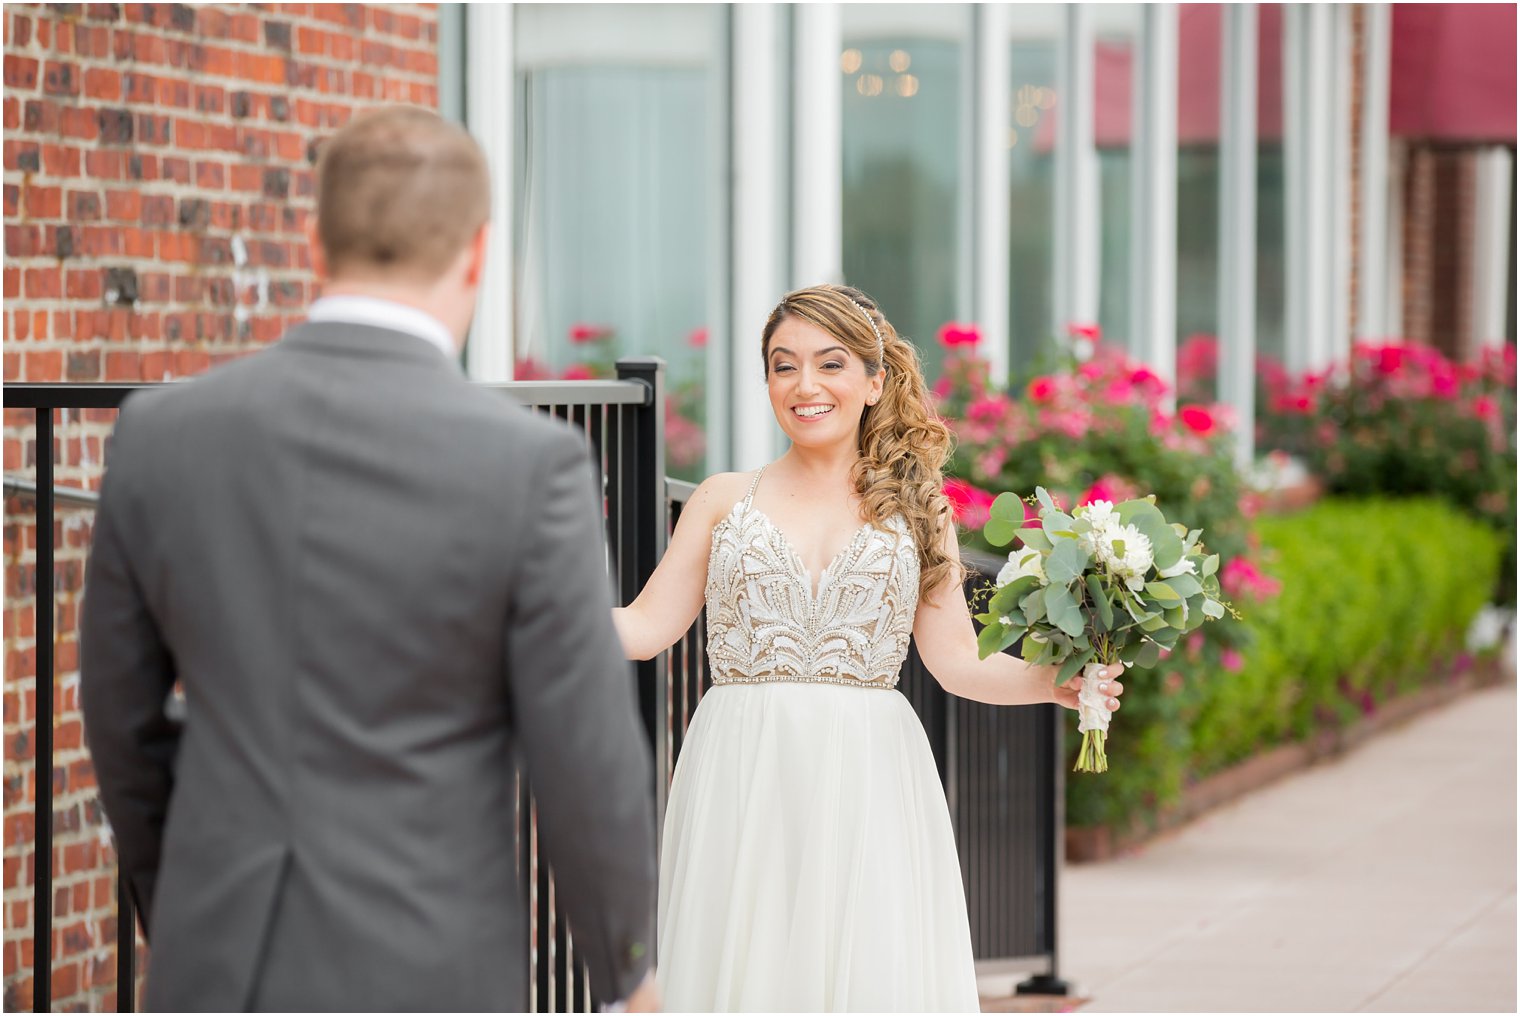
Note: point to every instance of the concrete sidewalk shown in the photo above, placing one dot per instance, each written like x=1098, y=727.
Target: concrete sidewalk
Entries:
x=1382, y=881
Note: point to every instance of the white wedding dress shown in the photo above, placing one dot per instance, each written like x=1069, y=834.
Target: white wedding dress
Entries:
x=808, y=861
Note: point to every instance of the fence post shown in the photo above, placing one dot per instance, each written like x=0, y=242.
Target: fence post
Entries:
x=1051, y=983
x=645, y=534
x=42, y=727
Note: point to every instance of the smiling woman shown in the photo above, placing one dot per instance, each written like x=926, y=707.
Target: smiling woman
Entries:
x=806, y=813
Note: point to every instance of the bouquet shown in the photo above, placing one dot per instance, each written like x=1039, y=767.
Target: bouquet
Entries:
x=1102, y=585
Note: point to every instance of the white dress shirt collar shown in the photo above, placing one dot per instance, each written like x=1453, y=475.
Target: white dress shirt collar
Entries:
x=397, y=317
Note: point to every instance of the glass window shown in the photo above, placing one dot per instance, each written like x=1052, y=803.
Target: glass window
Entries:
x=1115, y=28
x=903, y=154
x=1271, y=188
x=1199, y=95
x=619, y=141
x=1036, y=33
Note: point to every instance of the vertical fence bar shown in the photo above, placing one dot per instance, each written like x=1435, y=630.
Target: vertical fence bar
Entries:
x=126, y=947
x=42, y=754
x=646, y=532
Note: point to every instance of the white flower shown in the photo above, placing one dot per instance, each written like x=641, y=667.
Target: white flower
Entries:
x=1184, y=566
x=1137, y=557
x=1021, y=563
x=1100, y=513
x=1005, y=621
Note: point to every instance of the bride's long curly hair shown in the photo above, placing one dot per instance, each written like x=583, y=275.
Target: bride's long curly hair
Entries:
x=903, y=444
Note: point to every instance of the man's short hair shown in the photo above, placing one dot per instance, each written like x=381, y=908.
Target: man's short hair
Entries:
x=400, y=192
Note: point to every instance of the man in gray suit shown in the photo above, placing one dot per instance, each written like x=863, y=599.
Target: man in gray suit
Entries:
x=376, y=584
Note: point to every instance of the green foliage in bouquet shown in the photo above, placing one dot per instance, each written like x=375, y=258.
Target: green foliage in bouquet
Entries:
x=1104, y=584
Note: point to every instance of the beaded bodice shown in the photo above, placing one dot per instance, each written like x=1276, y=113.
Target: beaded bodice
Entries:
x=765, y=622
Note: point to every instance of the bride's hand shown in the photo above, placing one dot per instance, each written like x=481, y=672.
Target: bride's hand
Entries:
x=1066, y=694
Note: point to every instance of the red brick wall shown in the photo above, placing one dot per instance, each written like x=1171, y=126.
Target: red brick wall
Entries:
x=157, y=176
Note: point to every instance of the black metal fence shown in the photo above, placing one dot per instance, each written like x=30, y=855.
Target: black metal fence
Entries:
x=999, y=766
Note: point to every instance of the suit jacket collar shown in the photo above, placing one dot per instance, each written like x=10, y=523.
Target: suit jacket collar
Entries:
x=345, y=338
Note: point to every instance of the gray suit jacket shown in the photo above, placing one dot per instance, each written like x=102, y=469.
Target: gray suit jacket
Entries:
x=376, y=584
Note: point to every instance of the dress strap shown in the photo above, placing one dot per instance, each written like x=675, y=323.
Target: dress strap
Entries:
x=750, y=497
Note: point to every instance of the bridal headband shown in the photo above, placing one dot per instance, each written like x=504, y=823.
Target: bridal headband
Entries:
x=881, y=346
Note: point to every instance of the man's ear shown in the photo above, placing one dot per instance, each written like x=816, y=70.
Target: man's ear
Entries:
x=475, y=265
x=314, y=250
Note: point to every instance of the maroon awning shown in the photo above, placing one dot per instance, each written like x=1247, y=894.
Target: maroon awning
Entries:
x=1452, y=76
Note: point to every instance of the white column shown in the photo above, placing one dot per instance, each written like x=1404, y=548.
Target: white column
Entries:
x=1372, y=243
x=1075, y=276
x=992, y=99
x=1153, y=261
x=1237, y=224
x=1491, y=267
x=1339, y=97
x=817, y=147
x=757, y=281
x=488, y=115
x=1309, y=158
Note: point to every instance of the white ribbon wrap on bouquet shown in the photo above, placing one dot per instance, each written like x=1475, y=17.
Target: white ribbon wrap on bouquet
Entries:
x=1092, y=704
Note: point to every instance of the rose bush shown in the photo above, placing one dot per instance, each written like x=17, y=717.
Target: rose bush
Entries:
x=1396, y=419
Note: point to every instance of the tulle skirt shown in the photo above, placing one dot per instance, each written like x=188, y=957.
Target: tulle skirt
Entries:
x=808, y=862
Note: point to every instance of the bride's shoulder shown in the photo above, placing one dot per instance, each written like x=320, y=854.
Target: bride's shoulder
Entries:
x=717, y=495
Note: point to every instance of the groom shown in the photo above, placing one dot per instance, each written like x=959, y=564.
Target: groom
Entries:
x=377, y=585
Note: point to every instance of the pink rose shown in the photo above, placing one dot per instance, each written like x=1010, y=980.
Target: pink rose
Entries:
x=578, y=372
x=697, y=339
x=588, y=333
x=1198, y=419
x=1092, y=333
x=1099, y=491
x=1042, y=389
x=953, y=333
x=1231, y=659
x=972, y=505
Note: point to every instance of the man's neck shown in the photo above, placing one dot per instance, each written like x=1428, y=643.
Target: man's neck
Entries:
x=425, y=300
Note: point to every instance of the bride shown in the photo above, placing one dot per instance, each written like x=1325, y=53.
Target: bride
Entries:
x=808, y=861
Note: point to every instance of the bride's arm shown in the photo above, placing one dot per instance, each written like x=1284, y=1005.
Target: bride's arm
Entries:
x=672, y=598
x=947, y=643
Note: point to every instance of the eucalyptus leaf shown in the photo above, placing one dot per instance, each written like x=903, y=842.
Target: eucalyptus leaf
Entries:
x=1104, y=609
x=1163, y=591
x=987, y=640
x=1033, y=606
x=999, y=532
x=1034, y=538
x=1043, y=496
x=1149, y=655
x=1213, y=608
x=1072, y=665
x=1065, y=563
x=1008, y=508
x=1166, y=546
x=1062, y=610
x=1056, y=521
x=1010, y=594
x=1186, y=585
x=1210, y=565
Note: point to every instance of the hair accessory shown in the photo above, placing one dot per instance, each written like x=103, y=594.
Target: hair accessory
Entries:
x=881, y=346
